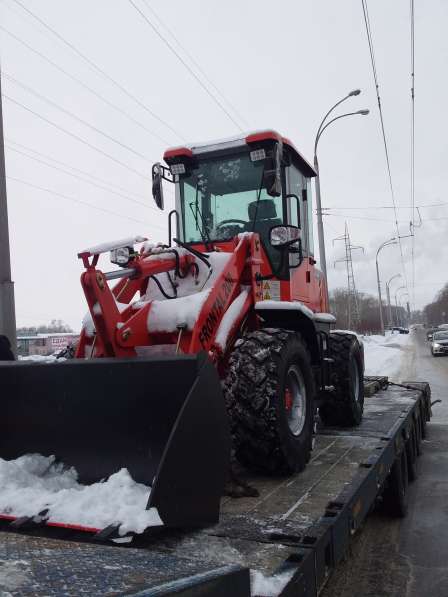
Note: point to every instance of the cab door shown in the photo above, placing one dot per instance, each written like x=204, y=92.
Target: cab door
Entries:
x=297, y=212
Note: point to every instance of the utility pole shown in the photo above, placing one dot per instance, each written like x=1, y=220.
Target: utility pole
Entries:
x=398, y=306
x=353, y=313
x=389, y=304
x=7, y=308
x=391, y=241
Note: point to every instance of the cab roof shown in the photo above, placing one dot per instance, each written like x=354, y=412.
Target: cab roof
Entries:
x=189, y=151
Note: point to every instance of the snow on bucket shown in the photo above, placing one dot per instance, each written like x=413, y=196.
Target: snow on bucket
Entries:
x=124, y=424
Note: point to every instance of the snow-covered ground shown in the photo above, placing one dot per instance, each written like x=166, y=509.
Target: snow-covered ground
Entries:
x=33, y=483
x=38, y=358
x=385, y=355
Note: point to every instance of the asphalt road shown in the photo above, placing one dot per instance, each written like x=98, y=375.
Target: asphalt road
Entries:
x=409, y=557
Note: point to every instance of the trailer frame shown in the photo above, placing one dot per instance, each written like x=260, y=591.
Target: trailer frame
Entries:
x=180, y=563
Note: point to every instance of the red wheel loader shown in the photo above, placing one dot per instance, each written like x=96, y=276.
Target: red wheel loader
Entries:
x=218, y=341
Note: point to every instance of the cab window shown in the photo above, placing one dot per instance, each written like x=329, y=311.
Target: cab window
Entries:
x=296, y=206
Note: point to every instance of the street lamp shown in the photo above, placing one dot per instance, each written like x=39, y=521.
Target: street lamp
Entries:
x=400, y=299
x=388, y=297
x=391, y=241
x=396, y=302
x=320, y=227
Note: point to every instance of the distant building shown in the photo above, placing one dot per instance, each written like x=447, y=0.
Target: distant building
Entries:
x=44, y=344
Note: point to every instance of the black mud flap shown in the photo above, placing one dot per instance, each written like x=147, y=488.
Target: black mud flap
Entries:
x=163, y=419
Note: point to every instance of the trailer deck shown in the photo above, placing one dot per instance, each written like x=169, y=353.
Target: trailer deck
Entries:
x=298, y=529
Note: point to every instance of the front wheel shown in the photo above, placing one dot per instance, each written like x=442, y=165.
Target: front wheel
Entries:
x=269, y=392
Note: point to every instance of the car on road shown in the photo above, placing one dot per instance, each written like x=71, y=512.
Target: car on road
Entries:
x=430, y=333
x=439, y=343
x=400, y=330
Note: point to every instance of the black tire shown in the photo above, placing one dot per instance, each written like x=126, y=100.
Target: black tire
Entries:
x=264, y=366
x=395, y=496
x=418, y=437
x=344, y=407
x=423, y=424
x=411, y=455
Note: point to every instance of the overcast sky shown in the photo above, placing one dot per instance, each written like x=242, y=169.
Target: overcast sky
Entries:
x=280, y=65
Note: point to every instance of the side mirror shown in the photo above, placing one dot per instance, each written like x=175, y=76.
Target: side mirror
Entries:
x=273, y=176
x=287, y=236
x=157, y=188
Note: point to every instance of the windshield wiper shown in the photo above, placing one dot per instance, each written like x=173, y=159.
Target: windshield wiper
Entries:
x=205, y=235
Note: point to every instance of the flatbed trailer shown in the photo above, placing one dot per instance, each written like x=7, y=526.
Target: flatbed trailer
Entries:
x=294, y=534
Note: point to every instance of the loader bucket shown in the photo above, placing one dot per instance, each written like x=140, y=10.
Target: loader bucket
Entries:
x=163, y=419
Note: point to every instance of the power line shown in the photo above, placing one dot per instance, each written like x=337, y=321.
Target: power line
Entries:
x=80, y=201
x=84, y=85
x=70, y=167
x=72, y=115
x=30, y=157
x=98, y=69
x=376, y=207
x=358, y=217
x=80, y=139
x=383, y=132
x=184, y=63
x=196, y=64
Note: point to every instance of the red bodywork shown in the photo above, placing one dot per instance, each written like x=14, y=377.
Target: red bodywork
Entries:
x=118, y=334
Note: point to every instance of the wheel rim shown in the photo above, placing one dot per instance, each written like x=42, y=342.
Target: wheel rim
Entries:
x=295, y=400
x=355, y=378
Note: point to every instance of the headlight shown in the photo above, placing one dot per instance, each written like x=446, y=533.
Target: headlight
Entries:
x=122, y=256
x=282, y=236
x=435, y=345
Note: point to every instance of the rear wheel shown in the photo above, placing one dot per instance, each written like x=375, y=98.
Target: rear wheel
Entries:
x=395, y=495
x=411, y=454
x=345, y=405
x=269, y=392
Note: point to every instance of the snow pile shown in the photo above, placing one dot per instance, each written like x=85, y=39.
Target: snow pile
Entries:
x=114, y=244
x=165, y=314
x=269, y=586
x=40, y=358
x=34, y=483
x=189, y=284
x=324, y=318
x=384, y=355
x=284, y=306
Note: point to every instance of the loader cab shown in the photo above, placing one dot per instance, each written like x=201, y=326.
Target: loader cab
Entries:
x=246, y=184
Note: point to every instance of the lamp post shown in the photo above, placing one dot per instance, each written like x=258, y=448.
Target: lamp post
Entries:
x=388, y=297
x=391, y=241
x=400, y=298
x=320, y=227
x=396, y=302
